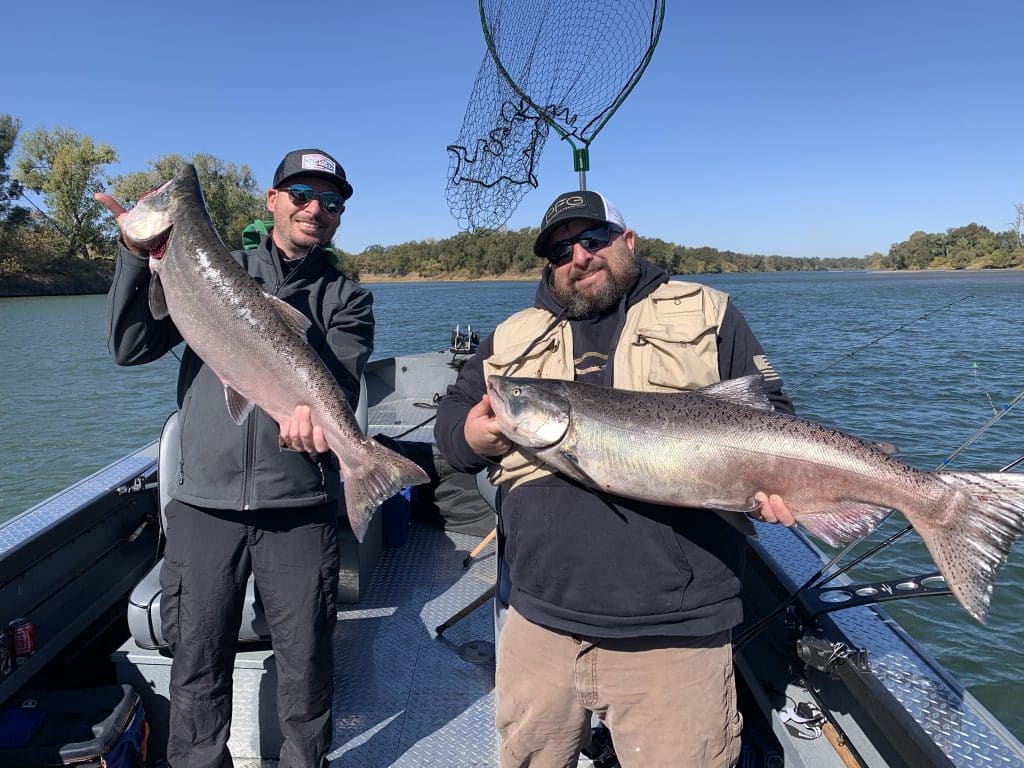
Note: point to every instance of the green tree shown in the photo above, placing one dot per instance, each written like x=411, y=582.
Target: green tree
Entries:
x=10, y=188
x=66, y=168
x=972, y=245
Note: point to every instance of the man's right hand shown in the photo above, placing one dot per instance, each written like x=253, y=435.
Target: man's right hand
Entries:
x=120, y=214
x=482, y=432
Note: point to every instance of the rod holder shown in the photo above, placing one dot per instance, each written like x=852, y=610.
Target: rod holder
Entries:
x=826, y=599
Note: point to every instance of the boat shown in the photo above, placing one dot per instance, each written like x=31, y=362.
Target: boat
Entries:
x=831, y=680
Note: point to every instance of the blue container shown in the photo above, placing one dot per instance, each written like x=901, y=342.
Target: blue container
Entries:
x=395, y=515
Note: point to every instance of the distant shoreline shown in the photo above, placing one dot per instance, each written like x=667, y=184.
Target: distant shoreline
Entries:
x=97, y=281
x=523, y=278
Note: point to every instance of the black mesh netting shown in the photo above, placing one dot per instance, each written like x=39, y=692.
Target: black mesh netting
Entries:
x=561, y=64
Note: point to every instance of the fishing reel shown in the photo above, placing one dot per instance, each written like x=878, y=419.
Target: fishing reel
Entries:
x=464, y=343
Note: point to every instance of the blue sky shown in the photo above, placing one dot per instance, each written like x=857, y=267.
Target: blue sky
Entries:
x=791, y=127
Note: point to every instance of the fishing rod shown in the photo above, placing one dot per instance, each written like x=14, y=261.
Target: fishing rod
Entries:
x=49, y=219
x=875, y=341
x=748, y=634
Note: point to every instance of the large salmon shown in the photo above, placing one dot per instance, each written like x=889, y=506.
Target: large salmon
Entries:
x=254, y=342
x=716, y=447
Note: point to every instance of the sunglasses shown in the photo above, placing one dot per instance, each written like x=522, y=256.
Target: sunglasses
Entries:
x=301, y=194
x=592, y=240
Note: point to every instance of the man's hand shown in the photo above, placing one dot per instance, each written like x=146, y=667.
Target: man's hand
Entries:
x=482, y=432
x=299, y=434
x=120, y=214
x=773, y=510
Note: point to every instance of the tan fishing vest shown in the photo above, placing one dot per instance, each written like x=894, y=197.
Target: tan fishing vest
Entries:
x=668, y=344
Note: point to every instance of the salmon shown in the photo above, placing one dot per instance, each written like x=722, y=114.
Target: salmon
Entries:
x=716, y=447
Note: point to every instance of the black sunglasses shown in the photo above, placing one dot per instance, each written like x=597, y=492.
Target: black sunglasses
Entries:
x=592, y=240
x=301, y=194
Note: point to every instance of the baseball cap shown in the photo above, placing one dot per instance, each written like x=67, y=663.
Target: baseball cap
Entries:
x=313, y=162
x=582, y=204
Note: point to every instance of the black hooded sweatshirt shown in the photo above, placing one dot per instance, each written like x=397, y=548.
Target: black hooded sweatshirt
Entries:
x=602, y=566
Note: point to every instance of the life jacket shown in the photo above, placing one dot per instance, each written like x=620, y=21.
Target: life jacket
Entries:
x=668, y=343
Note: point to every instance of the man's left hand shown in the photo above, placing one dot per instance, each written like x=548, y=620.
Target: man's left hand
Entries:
x=773, y=510
x=299, y=434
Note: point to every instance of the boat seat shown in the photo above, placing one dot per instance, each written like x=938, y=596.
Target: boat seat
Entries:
x=357, y=560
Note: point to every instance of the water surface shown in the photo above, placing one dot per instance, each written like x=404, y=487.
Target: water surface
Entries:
x=921, y=360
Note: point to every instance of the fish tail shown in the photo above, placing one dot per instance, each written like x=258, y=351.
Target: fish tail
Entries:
x=977, y=530
x=381, y=476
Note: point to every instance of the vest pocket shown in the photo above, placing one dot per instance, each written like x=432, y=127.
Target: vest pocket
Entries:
x=680, y=358
x=533, y=364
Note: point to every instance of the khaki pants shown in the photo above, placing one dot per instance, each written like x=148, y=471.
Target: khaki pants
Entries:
x=668, y=702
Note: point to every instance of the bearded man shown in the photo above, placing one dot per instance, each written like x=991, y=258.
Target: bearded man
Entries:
x=618, y=608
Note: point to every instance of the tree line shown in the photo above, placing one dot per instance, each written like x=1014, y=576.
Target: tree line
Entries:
x=72, y=237
x=487, y=253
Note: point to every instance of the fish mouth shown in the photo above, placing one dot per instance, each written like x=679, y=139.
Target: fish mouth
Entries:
x=157, y=246
x=494, y=392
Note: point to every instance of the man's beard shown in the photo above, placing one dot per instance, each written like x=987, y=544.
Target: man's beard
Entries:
x=580, y=306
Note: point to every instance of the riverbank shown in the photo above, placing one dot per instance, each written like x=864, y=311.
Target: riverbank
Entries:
x=527, y=277
x=87, y=277
x=95, y=277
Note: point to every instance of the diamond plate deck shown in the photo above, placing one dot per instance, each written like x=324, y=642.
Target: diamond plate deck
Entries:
x=403, y=696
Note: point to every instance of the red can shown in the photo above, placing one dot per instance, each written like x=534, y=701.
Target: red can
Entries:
x=21, y=636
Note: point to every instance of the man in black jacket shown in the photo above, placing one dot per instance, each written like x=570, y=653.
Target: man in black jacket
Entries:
x=617, y=607
x=260, y=498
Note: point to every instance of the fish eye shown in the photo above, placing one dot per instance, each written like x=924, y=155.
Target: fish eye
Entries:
x=516, y=391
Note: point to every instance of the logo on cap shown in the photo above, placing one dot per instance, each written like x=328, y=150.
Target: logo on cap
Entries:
x=319, y=163
x=564, y=204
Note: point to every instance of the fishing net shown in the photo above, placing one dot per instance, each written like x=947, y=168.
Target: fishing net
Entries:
x=562, y=65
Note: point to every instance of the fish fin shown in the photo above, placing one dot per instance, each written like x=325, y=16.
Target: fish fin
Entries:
x=294, y=319
x=746, y=390
x=239, y=406
x=385, y=473
x=885, y=447
x=579, y=474
x=841, y=523
x=970, y=539
x=729, y=505
x=157, y=302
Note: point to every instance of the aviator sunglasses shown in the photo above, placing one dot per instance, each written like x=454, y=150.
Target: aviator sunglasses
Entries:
x=301, y=194
x=592, y=240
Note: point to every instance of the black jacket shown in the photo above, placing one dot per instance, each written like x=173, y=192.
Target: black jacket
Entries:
x=622, y=568
x=224, y=466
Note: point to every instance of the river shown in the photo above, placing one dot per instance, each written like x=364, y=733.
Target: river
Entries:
x=921, y=360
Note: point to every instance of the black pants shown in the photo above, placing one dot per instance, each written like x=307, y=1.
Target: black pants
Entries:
x=293, y=554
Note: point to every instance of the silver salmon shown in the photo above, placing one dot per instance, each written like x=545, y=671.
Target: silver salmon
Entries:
x=254, y=342
x=716, y=447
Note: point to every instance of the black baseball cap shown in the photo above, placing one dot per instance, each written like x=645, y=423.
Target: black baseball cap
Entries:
x=313, y=162
x=581, y=204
